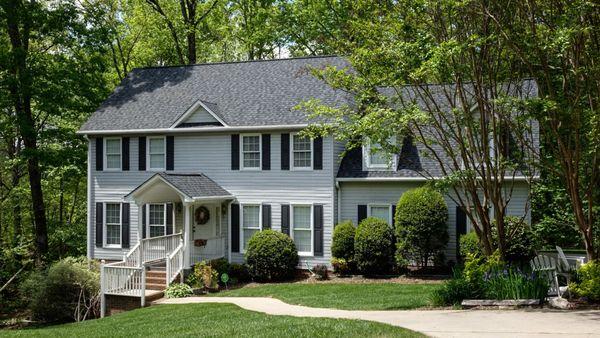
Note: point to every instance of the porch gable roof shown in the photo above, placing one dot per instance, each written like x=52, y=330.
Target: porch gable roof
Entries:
x=191, y=186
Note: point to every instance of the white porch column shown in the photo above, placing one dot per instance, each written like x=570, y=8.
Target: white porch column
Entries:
x=187, y=252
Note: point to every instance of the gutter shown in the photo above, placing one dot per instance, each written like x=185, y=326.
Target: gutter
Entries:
x=415, y=179
x=190, y=130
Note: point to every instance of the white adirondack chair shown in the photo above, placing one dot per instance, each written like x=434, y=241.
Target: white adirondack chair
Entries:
x=547, y=266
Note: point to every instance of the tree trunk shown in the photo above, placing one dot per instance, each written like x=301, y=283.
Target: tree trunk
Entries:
x=191, y=43
x=17, y=22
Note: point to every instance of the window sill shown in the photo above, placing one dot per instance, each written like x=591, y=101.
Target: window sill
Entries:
x=305, y=254
x=112, y=246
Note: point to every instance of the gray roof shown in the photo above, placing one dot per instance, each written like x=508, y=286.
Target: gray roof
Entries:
x=195, y=185
x=192, y=185
x=252, y=93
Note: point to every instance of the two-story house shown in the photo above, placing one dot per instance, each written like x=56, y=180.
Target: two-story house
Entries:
x=186, y=163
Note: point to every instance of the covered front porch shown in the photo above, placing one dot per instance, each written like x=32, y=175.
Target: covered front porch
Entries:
x=192, y=205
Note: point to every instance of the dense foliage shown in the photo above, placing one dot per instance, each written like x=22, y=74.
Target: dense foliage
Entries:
x=271, y=256
x=588, y=282
x=522, y=242
x=469, y=245
x=374, y=246
x=342, y=245
x=67, y=291
x=421, y=229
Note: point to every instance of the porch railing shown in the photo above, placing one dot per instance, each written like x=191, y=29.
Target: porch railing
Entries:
x=214, y=248
x=128, y=277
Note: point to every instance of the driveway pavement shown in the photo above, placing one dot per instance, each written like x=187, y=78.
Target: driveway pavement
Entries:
x=437, y=323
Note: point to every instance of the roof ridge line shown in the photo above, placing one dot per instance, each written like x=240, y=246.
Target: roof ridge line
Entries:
x=241, y=61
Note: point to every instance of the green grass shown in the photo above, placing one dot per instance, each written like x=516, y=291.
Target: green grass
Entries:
x=214, y=320
x=359, y=296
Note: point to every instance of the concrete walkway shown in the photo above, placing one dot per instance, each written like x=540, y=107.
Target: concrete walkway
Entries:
x=436, y=323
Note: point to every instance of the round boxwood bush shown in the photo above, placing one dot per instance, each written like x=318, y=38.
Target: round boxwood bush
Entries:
x=421, y=229
x=343, y=241
x=271, y=256
x=374, y=246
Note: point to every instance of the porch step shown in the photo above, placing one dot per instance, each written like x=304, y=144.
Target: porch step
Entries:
x=156, y=286
x=156, y=274
x=155, y=280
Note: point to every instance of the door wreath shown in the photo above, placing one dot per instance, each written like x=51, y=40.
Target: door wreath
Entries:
x=202, y=215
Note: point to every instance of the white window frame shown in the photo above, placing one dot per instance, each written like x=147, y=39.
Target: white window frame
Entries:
x=148, y=153
x=242, y=227
x=312, y=228
x=106, y=154
x=104, y=228
x=378, y=167
x=164, y=225
x=380, y=205
x=242, y=167
x=292, y=166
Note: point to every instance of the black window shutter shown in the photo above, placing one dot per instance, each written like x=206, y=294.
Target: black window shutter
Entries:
x=125, y=153
x=393, y=215
x=142, y=154
x=169, y=216
x=99, y=224
x=318, y=228
x=285, y=151
x=125, y=225
x=235, y=227
x=461, y=227
x=99, y=154
x=235, y=153
x=285, y=219
x=362, y=212
x=170, y=152
x=266, y=151
x=143, y=221
x=266, y=216
x=318, y=153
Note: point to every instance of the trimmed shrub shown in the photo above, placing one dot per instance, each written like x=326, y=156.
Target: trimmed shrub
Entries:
x=271, y=256
x=588, y=284
x=67, y=291
x=238, y=273
x=221, y=265
x=177, y=290
x=469, y=245
x=321, y=272
x=374, y=246
x=421, y=229
x=343, y=241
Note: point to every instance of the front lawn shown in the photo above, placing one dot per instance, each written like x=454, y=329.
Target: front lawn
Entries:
x=214, y=320
x=358, y=296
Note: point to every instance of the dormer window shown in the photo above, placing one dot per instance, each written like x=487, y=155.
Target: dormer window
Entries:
x=376, y=158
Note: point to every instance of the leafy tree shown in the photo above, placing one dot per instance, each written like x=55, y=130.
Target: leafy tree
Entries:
x=467, y=124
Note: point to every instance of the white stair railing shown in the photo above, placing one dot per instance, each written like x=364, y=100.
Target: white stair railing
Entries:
x=128, y=277
x=174, y=264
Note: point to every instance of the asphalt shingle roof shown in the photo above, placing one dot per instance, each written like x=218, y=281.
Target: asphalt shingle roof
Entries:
x=251, y=93
x=195, y=185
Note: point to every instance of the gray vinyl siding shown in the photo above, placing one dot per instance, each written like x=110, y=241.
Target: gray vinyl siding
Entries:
x=364, y=193
x=200, y=116
x=210, y=154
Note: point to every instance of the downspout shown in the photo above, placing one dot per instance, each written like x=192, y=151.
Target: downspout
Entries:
x=90, y=246
x=229, y=230
x=339, y=200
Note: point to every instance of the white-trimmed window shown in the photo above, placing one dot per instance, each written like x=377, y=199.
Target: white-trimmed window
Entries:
x=250, y=223
x=376, y=158
x=112, y=153
x=382, y=211
x=157, y=153
x=302, y=229
x=112, y=225
x=157, y=220
x=250, y=154
x=301, y=152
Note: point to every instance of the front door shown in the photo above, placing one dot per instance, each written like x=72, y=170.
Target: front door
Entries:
x=205, y=221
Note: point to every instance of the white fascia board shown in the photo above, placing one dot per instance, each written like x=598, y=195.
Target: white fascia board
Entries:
x=191, y=130
x=413, y=179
